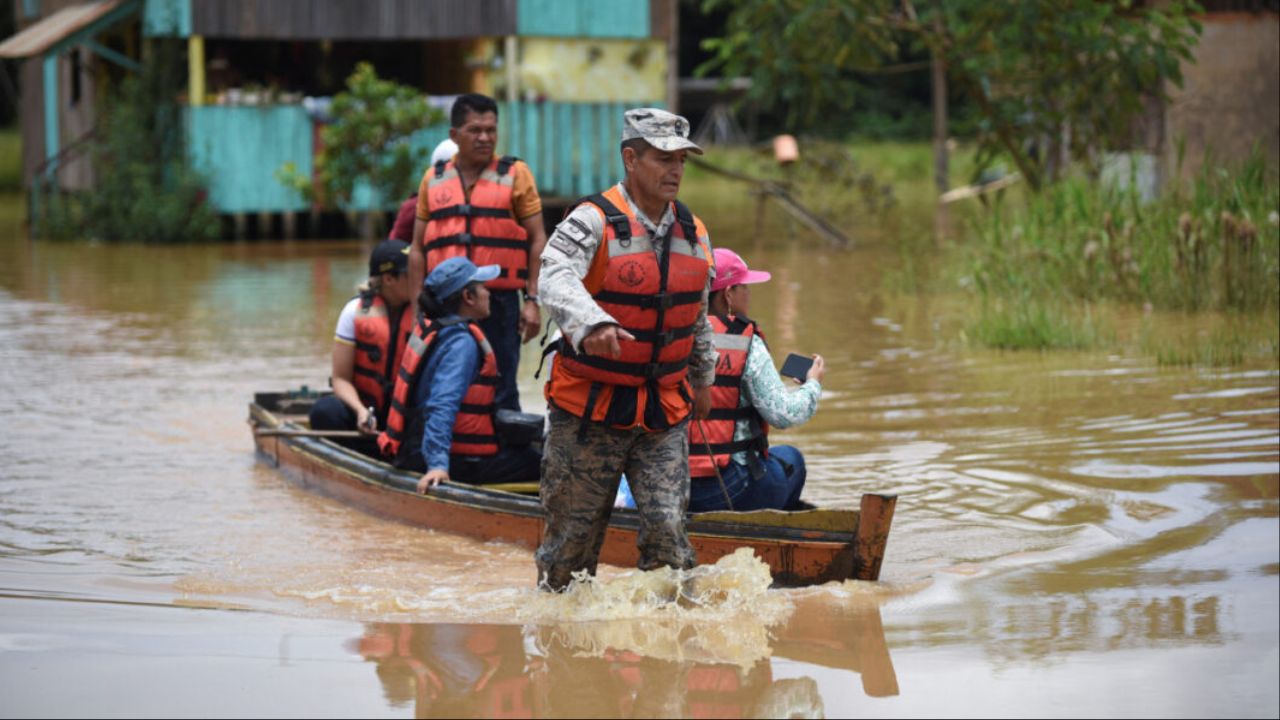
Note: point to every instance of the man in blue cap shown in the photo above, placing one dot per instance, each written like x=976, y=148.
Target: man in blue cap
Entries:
x=442, y=408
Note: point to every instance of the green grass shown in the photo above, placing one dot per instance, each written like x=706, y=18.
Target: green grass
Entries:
x=1211, y=247
x=10, y=160
x=1030, y=324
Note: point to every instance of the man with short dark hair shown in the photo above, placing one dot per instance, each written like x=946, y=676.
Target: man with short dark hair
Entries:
x=485, y=208
x=625, y=278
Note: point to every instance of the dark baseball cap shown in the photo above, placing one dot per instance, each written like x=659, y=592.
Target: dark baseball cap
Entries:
x=390, y=256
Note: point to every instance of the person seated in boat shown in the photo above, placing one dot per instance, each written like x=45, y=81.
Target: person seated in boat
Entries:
x=747, y=399
x=367, y=343
x=442, y=419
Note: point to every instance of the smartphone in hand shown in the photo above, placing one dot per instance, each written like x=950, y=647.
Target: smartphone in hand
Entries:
x=796, y=366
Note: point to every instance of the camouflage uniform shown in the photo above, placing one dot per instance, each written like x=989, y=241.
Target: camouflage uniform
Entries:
x=580, y=473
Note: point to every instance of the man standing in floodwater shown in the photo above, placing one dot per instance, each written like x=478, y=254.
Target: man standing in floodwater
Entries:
x=487, y=209
x=625, y=276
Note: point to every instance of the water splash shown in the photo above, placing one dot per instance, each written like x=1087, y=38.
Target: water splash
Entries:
x=721, y=613
x=737, y=583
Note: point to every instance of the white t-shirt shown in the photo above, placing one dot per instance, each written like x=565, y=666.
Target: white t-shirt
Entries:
x=345, y=332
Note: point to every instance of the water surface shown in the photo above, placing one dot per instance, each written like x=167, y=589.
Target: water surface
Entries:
x=1076, y=535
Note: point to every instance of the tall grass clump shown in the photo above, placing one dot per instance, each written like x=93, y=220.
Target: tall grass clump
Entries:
x=144, y=187
x=1213, y=245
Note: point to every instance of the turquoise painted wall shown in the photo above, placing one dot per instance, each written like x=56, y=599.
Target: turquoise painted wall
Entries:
x=583, y=18
x=171, y=18
x=572, y=149
x=240, y=149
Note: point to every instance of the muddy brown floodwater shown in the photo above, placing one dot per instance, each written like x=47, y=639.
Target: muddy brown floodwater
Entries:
x=1076, y=535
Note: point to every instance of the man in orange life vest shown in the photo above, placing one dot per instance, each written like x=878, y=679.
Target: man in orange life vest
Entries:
x=487, y=209
x=625, y=277
x=442, y=408
x=367, y=344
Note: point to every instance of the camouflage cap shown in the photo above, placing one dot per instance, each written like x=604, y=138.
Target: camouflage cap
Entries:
x=661, y=129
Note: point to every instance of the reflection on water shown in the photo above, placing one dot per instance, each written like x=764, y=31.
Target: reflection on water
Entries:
x=1064, y=520
x=619, y=668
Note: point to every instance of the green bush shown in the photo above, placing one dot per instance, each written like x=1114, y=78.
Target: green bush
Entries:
x=144, y=188
x=369, y=139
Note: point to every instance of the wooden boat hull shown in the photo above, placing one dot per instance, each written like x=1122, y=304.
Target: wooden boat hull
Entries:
x=801, y=548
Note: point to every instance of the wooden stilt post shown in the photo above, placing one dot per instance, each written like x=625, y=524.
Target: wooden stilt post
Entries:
x=872, y=535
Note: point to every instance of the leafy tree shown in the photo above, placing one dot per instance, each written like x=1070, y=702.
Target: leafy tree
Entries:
x=1048, y=78
x=369, y=138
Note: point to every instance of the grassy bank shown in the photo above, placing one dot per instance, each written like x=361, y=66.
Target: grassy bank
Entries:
x=1043, y=270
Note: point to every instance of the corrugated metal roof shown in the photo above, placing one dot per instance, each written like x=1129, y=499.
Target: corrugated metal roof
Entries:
x=38, y=38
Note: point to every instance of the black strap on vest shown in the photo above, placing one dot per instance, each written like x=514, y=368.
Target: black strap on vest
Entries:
x=726, y=448
x=737, y=413
x=585, y=423
x=661, y=301
x=547, y=349
x=469, y=210
x=466, y=238
x=685, y=218
x=440, y=167
x=664, y=337
x=505, y=163
x=648, y=371
x=619, y=220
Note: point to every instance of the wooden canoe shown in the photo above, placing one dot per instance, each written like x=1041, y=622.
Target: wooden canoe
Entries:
x=802, y=548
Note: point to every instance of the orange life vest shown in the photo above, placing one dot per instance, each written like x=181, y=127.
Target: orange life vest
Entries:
x=732, y=340
x=657, y=302
x=482, y=227
x=473, y=428
x=377, y=357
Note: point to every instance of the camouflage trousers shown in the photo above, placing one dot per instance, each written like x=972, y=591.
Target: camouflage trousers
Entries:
x=580, y=480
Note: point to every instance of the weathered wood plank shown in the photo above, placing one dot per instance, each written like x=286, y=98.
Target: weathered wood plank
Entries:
x=353, y=19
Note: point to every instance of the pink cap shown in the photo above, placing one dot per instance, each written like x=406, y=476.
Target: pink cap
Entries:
x=731, y=269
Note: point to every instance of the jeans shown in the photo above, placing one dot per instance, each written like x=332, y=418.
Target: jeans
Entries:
x=502, y=328
x=778, y=489
x=330, y=413
x=512, y=464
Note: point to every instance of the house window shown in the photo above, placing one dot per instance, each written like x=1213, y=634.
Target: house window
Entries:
x=30, y=8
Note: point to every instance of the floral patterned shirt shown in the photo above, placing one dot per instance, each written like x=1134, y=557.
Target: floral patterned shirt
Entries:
x=764, y=388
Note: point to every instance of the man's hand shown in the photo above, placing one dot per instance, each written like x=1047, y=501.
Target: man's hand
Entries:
x=432, y=479
x=701, y=403
x=603, y=341
x=530, y=321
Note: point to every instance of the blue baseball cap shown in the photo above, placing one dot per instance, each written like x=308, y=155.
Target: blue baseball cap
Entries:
x=455, y=273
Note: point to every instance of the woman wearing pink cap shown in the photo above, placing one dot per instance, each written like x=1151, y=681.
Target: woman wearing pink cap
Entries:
x=747, y=399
